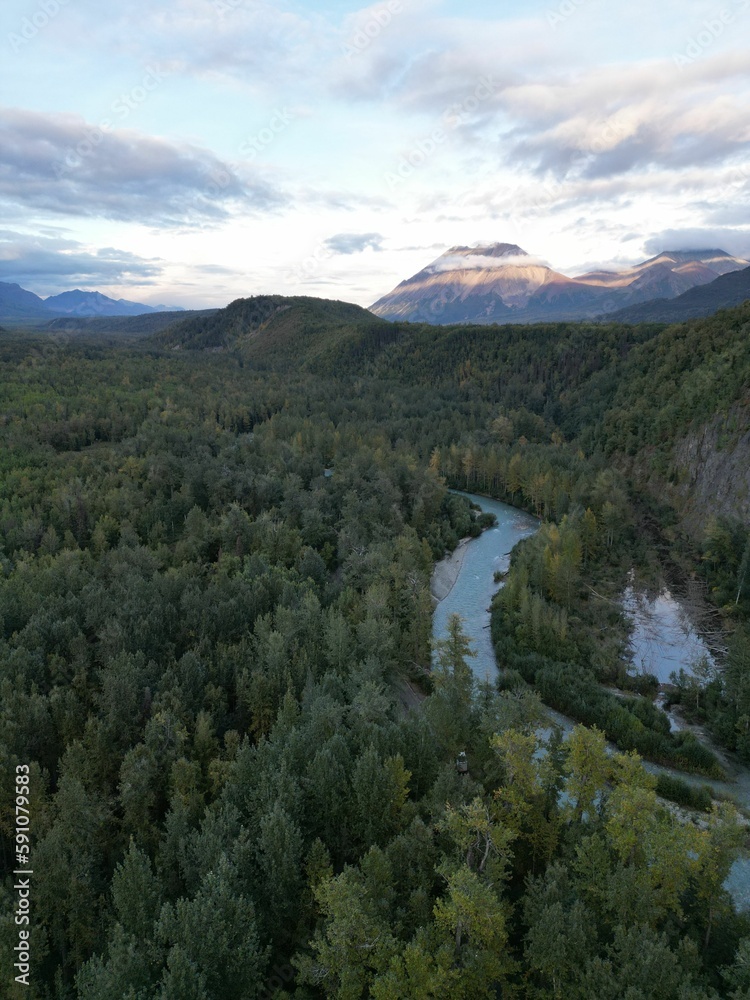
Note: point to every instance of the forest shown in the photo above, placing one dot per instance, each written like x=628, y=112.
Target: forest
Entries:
x=215, y=556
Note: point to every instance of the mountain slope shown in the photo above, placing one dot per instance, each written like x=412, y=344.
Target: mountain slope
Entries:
x=646, y=396
x=17, y=303
x=141, y=325
x=725, y=292
x=485, y=284
x=501, y=283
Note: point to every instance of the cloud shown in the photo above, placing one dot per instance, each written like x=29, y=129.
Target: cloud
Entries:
x=703, y=190
x=614, y=120
x=424, y=63
x=734, y=241
x=479, y=262
x=55, y=263
x=58, y=163
x=349, y=243
x=252, y=43
x=564, y=117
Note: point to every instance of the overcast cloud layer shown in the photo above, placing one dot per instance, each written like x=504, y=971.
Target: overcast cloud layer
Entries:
x=195, y=150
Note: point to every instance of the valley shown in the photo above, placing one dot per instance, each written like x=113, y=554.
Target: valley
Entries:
x=218, y=539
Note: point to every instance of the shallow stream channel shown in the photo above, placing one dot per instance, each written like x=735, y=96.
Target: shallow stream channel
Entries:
x=663, y=639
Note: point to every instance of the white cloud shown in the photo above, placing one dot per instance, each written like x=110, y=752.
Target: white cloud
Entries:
x=478, y=262
x=50, y=264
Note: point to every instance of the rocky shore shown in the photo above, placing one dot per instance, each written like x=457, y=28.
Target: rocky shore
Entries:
x=446, y=572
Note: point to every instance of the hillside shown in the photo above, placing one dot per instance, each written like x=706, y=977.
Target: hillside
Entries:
x=724, y=292
x=273, y=329
x=141, y=325
x=18, y=304
x=640, y=392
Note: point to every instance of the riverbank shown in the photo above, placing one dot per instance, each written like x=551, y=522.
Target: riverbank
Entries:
x=446, y=572
x=469, y=584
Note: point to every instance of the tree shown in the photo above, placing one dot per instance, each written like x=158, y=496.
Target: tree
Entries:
x=716, y=854
x=523, y=800
x=588, y=768
x=450, y=708
x=380, y=791
x=212, y=942
x=355, y=944
x=279, y=858
x=472, y=917
x=742, y=571
x=561, y=930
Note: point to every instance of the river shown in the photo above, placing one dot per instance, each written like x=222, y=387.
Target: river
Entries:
x=464, y=584
x=467, y=586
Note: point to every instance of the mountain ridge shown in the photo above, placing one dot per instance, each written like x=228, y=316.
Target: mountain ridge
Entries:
x=18, y=303
x=725, y=292
x=502, y=283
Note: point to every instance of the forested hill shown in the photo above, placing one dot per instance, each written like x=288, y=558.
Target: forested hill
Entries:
x=274, y=329
x=646, y=393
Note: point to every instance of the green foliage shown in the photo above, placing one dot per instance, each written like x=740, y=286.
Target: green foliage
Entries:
x=215, y=563
x=676, y=790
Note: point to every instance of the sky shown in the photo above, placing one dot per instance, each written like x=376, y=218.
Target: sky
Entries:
x=192, y=152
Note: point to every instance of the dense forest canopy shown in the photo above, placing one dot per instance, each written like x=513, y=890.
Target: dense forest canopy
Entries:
x=215, y=569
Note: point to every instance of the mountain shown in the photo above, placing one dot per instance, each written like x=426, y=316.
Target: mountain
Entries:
x=501, y=283
x=80, y=303
x=724, y=292
x=19, y=305
x=494, y=283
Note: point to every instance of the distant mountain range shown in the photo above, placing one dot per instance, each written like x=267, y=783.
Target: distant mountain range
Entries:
x=501, y=283
x=492, y=283
x=18, y=304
